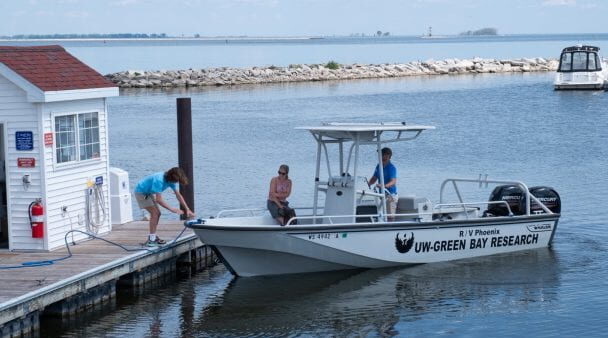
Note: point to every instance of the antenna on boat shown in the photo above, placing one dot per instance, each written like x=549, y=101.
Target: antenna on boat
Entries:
x=482, y=181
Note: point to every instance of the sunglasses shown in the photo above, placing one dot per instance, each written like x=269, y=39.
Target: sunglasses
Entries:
x=282, y=173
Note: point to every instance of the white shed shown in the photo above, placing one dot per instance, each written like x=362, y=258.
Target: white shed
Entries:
x=53, y=146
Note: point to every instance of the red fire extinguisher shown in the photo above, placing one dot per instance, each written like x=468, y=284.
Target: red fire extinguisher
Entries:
x=36, y=212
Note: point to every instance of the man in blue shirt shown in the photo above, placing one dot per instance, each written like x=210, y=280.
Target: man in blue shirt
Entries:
x=148, y=193
x=390, y=181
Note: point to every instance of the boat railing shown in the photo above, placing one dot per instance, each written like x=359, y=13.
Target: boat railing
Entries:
x=251, y=212
x=330, y=218
x=465, y=204
x=361, y=192
x=245, y=212
x=415, y=215
x=373, y=217
x=481, y=181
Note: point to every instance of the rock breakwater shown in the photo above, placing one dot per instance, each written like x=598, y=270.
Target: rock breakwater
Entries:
x=319, y=72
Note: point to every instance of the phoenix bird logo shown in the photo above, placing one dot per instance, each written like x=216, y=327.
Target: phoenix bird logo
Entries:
x=404, y=245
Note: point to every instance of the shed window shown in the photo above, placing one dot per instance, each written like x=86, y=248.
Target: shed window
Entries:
x=77, y=137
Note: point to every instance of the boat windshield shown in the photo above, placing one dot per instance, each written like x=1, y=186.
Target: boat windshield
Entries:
x=579, y=61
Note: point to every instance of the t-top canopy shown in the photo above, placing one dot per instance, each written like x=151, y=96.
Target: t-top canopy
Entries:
x=364, y=131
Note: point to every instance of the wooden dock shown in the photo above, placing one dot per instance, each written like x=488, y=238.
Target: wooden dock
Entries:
x=94, y=266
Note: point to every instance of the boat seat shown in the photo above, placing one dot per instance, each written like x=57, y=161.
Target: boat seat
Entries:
x=407, y=203
x=413, y=205
x=366, y=210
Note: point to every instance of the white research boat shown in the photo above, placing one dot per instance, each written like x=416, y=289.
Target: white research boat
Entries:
x=351, y=229
x=581, y=67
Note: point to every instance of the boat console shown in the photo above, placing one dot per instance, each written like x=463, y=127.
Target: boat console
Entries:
x=339, y=194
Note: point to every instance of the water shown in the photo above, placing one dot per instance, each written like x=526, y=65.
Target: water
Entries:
x=510, y=126
x=108, y=56
x=467, y=298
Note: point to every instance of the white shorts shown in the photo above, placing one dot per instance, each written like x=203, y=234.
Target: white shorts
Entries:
x=144, y=201
x=391, y=203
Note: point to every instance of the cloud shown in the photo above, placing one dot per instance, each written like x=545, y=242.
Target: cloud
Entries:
x=123, y=3
x=590, y=6
x=261, y=2
x=77, y=14
x=19, y=13
x=44, y=13
x=559, y=3
x=233, y=3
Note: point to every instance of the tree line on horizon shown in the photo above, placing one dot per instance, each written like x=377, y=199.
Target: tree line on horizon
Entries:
x=483, y=31
x=88, y=36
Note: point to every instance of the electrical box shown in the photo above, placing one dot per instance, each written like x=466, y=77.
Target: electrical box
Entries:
x=122, y=211
x=120, y=196
x=119, y=182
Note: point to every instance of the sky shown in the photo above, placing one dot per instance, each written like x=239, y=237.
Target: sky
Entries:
x=300, y=17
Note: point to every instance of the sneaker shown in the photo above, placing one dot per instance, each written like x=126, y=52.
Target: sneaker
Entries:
x=156, y=242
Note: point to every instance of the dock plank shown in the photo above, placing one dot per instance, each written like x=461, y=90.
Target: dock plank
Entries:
x=87, y=255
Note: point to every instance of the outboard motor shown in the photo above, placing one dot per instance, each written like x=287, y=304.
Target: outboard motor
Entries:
x=513, y=195
x=516, y=199
x=548, y=196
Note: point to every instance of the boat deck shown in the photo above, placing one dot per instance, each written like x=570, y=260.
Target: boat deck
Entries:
x=93, y=262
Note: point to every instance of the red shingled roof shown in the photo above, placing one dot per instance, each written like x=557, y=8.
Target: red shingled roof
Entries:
x=52, y=68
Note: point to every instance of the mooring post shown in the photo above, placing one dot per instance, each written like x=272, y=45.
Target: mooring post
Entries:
x=184, y=144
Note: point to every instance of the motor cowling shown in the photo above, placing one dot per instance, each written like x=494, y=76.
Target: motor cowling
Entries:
x=515, y=197
x=547, y=196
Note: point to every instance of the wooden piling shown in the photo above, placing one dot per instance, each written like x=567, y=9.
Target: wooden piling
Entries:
x=184, y=143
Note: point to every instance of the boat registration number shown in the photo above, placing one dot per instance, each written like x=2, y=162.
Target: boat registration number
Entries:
x=327, y=235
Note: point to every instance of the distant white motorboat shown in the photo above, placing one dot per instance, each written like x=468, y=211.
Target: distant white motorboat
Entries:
x=349, y=228
x=581, y=67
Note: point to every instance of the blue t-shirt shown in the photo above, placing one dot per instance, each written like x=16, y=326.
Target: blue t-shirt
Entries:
x=390, y=172
x=154, y=184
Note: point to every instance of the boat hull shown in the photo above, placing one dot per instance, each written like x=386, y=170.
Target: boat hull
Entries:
x=258, y=250
x=580, y=80
x=579, y=86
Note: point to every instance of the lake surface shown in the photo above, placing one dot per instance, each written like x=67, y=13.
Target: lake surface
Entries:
x=509, y=126
x=108, y=56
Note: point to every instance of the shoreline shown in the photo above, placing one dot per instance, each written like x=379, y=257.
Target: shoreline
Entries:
x=228, y=76
x=169, y=39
